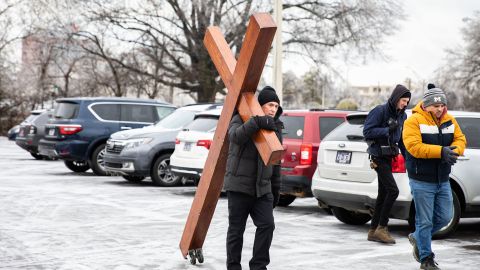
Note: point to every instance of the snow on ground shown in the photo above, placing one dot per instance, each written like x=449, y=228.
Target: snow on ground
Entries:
x=52, y=218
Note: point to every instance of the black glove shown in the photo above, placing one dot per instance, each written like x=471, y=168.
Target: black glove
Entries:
x=392, y=125
x=265, y=122
x=448, y=155
x=276, y=197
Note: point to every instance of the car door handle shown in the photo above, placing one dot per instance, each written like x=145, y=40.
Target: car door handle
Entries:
x=125, y=128
x=463, y=158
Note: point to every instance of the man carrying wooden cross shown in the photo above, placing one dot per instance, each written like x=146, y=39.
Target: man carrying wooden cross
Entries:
x=252, y=187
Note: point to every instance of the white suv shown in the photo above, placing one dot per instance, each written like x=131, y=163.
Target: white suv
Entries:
x=192, y=145
x=345, y=182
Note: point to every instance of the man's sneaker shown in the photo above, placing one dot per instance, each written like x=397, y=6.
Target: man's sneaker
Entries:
x=429, y=263
x=371, y=235
x=382, y=234
x=413, y=242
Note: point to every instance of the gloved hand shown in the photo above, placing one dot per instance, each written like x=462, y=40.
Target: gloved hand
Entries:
x=392, y=125
x=265, y=122
x=276, y=197
x=448, y=155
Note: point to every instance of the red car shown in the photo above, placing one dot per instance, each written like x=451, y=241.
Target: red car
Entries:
x=304, y=130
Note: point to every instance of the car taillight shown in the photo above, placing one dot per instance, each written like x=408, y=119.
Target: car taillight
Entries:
x=69, y=129
x=306, y=154
x=398, y=164
x=177, y=141
x=204, y=143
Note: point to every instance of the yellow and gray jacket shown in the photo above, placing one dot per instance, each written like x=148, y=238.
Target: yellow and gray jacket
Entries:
x=423, y=137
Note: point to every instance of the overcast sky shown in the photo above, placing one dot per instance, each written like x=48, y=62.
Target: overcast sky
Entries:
x=418, y=48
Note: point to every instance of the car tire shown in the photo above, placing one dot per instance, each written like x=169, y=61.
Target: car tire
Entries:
x=452, y=225
x=133, y=178
x=96, y=160
x=36, y=156
x=77, y=166
x=350, y=217
x=162, y=175
x=285, y=200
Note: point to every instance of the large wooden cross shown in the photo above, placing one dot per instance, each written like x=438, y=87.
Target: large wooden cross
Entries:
x=241, y=79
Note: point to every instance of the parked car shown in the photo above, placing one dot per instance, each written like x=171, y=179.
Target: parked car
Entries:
x=81, y=127
x=136, y=154
x=31, y=131
x=344, y=181
x=192, y=145
x=13, y=132
x=304, y=130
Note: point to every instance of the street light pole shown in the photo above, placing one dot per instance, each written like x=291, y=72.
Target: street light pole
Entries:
x=277, y=50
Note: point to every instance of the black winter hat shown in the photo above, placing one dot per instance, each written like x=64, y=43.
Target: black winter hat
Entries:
x=268, y=95
x=430, y=86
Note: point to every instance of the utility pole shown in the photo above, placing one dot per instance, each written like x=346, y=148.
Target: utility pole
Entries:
x=278, y=50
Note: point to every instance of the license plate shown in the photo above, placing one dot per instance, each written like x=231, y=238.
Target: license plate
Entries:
x=187, y=147
x=343, y=157
x=51, y=132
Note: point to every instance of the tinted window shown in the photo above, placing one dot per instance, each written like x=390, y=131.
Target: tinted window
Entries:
x=177, y=119
x=162, y=112
x=346, y=132
x=471, y=128
x=203, y=123
x=293, y=126
x=328, y=124
x=138, y=113
x=107, y=111
x=66, y=110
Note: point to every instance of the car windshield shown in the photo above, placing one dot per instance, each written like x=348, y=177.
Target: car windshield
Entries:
x=177, y=119
x=66, y=110
x=203, y=123
x=352, y=130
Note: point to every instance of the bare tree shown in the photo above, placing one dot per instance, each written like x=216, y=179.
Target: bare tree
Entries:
x=176, y=29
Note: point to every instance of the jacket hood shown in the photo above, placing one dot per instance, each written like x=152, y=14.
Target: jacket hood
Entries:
x=419, y=109
x=397, y=93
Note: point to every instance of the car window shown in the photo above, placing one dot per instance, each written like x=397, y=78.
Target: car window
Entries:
x=138, y=113
x=293, y=126
x=177, y=119
x=203, y=123
x=348, y=131
x=66, y=110
x=41, y=119
x=107, y=111
x=162, y=112
x=471, y=128
x=327, y=124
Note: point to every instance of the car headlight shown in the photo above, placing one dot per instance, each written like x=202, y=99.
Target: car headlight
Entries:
x=133, y=143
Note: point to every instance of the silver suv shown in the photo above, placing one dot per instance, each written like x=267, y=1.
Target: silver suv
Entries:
x=345, y=183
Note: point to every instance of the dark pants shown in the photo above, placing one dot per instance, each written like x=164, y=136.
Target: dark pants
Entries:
x=241, y=205
x=387, y=192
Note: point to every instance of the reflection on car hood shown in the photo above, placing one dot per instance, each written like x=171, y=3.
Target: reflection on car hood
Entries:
x=149, y=131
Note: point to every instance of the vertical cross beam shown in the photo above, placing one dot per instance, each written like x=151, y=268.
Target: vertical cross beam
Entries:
x=241, y=79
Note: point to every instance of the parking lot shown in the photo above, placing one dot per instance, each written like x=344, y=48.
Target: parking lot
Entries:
x=52, y=218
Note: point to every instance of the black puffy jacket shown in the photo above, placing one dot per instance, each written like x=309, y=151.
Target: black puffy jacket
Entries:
x=245, y=170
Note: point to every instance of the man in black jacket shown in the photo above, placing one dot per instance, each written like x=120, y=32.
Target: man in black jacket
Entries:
x=252, y=188
x=383, y=132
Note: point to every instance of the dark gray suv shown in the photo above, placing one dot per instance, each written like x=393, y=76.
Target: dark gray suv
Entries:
x=136, y=154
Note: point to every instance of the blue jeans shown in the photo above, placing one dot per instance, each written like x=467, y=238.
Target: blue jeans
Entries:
x=433, y=211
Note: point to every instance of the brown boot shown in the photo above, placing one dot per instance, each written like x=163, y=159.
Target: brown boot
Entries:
x=383, y=235
x=371, y=235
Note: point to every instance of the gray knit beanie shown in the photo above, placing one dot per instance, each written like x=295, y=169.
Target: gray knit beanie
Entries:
x=434, y=96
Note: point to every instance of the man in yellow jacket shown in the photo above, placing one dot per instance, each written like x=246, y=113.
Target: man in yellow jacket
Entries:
x=433, y=141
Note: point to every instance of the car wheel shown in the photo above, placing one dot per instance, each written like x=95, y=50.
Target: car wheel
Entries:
x=451, y=226
x=286, y=200
x=77, y=166
x=161, y=173
x=350, y=217
x=133, y=178
x=36, y=156
x=96, y=160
